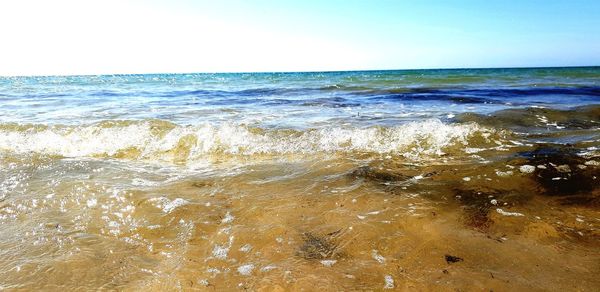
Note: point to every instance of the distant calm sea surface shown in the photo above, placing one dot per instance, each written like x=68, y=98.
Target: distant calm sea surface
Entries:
x=297, y=100
x=302, y=180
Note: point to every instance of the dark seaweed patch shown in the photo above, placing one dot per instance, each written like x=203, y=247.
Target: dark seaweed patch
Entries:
x=584, y=117
x=381, y=176
x=318, y=248
x=515, y=92
x=561, y=174
x=476, y=206
x=201, y=184
x=580, y=200
x=334, y=102
x=452, y=259
x=591, y=91
x=458, y=98
x=469, y=99
x=484, y=95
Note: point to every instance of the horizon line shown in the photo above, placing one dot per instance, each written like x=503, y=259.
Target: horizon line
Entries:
x=305, y=72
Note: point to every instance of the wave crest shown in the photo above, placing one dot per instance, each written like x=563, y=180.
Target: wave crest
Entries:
x=155, y=139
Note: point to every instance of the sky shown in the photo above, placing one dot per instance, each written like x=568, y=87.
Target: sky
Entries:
x=64, y=37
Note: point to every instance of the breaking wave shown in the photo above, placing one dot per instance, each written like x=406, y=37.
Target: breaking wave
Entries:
x=162, y=140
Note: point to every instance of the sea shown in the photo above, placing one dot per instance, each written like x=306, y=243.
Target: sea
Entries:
x=428, y=180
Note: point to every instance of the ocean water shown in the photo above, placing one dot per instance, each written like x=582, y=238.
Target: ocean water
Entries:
x=286, y=181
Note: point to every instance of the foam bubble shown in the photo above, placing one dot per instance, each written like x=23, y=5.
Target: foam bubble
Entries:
x=389, y=282
x=246, y=270
x=221, y=251
x=527, y=168
x=505, y=213
x=376, y=256
x=268, y=268
x=91, y=203
x=172, y=205
x=228, y=218
x=328, y=263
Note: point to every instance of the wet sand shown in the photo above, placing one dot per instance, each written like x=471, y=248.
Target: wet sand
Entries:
x=329, y=223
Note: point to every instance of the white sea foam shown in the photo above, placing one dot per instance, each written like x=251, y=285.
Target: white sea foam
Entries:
x=389, y=282
x=165, y=141
x=246, y=248
x=246, y=270
x=505, y=213
x=91, y=203
x=228, y=218
x=328, y=263
x=376, y=256
x=268, y=268
x=221, y=251
x=527, y=168
x=172, y=205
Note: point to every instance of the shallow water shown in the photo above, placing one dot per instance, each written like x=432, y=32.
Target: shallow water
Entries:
x=408, y=180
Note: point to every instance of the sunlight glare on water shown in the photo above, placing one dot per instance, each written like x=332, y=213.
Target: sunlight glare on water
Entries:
x=414, y=180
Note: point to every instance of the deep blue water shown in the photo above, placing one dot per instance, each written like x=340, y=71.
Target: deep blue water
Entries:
x=293, y=100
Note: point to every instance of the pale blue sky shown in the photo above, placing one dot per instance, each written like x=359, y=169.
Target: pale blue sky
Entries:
x=91, y=37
